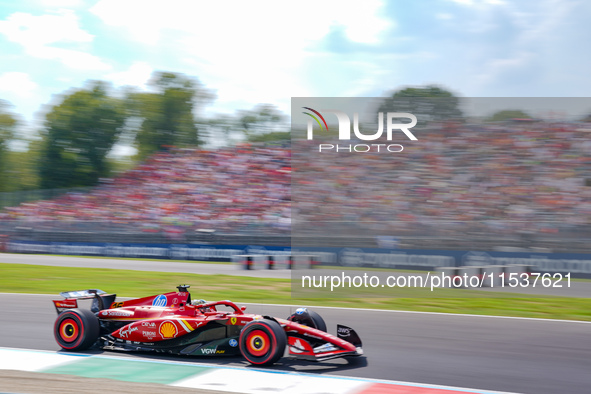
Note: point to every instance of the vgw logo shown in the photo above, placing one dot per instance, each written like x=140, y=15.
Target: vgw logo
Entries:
x=345, y=131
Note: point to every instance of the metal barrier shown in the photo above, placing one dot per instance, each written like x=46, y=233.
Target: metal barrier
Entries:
x=243, y=234
x=275, y=261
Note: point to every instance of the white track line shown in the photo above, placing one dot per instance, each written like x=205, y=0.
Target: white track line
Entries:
x=368, y=310
x=46, y=355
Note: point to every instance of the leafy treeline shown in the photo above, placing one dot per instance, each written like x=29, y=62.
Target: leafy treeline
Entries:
x=81, y=128
x=8, y=127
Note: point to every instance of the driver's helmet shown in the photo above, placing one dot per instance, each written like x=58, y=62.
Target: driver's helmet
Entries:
x=197, y=303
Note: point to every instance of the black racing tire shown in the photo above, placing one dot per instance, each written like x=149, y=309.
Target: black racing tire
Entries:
x=318, y=321
x=309, y=318
x=76, y=329
x=262, y=342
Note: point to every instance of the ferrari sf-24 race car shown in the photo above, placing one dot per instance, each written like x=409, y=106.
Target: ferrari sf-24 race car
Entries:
x=172, y=323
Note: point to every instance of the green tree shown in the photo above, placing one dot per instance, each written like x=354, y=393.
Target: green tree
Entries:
x=275, y=136
x=221, y=127
x=262, y=119
x=21, y=169
x=168, y=113
x=8, y=124
x=79, y=133
x=430, y=103
x=501, y=116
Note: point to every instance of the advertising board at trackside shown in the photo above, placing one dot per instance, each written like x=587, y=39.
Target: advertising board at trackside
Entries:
x=578, y=264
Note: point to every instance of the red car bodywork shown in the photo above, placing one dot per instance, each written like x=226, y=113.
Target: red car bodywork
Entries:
x=169, y=323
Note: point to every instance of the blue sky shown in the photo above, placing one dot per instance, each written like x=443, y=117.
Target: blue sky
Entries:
x=268, y=51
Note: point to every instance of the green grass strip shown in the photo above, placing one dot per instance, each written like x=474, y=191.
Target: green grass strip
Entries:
x=127, y=370
x=20, y=278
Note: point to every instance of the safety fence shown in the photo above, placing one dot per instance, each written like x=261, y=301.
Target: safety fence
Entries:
x=577, y=264
x=275, y=261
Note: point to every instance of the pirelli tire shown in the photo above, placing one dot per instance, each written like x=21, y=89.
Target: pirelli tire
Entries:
x=309, y=318
x=76, y=329
x=318, y=321
x=262, y=342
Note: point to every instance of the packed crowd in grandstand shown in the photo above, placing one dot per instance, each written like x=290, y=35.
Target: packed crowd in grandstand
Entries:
x=457, y=178
x=520, y=178
x=183, y=189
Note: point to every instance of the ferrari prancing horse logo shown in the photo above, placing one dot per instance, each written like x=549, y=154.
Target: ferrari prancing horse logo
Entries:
x=233, y=321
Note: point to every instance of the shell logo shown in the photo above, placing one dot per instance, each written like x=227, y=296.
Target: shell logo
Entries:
x=168, y=329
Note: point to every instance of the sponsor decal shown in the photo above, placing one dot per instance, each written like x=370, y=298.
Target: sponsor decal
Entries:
x=344, y=332
x=124, y=332
x=301, y=311
x=209, y=351
x=327, y=347
x=149, y=334
x=297, y=347
x=242, y=322
x=66, y=304
x=118, y=313
x=148, y=324
x=175, y=301
x=160, y=300
x=117, y=305
x=233, y=342
x=168, y=329
x=233, y=321
x=186, y=325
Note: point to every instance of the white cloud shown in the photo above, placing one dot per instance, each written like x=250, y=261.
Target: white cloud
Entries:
x=33, y=31
x=61, y=3
x=18, y=84
x=247, y=50
x=241, y=21
x=36, y=33
x=138, y=74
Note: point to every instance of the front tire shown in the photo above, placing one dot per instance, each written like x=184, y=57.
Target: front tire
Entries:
x=308, y=318
x=76, y=329
x=262, y=342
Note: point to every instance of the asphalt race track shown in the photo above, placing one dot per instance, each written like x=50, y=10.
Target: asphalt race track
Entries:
x=516, y=355
x=479, y=352
x=140, y=265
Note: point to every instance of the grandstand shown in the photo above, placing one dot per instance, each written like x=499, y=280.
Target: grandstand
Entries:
x=520, y=185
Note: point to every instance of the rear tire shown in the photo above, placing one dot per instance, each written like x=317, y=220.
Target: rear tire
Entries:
x=76, y=329
x=262, y=342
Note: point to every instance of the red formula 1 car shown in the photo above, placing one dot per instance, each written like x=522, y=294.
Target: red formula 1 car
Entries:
x=172, y=323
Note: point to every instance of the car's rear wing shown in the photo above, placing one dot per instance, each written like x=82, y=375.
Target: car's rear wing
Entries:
x=82, y=293
x=102, y=299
